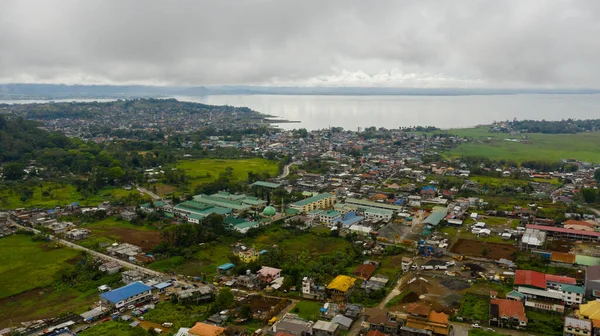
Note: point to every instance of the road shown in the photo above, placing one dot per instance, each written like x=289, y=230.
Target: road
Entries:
x=149, y=193
x=286, y=170
x=394, y=292
x=97, y=254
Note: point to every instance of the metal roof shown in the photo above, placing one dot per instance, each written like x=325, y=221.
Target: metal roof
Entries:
x=125, y=292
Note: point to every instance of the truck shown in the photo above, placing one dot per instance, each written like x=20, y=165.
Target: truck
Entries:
x=441, y=267
x=426, y=267
x=273, y=320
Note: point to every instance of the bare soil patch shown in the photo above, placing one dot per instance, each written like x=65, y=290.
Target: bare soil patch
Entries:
x=144, y=239
x=476, y=248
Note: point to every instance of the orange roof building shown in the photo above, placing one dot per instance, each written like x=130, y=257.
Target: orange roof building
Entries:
x=204, y=329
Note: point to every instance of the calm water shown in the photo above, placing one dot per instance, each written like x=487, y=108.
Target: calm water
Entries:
x=351, y=112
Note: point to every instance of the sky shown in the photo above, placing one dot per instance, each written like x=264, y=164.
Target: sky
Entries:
x=421, y=43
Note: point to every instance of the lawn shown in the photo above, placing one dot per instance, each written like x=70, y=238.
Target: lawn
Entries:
x=27, y=264
x=113, y=328
x=544, y=147
x=544, y=323
x=308, y=310
x=207, y=170
x=57, y=194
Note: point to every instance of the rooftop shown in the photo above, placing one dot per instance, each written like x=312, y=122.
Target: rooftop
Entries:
x=309, y=200
x=342, y=283
x=265, y=184
x=125, y=292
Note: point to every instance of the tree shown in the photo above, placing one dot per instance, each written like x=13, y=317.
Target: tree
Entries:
x=223, y=300
x=14, y=171
x=589, y=195
x=597, y=175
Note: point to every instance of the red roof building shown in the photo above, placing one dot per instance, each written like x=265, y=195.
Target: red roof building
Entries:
x=530, y=278
x=503, y=309
x=364, y=271
x=561, y=279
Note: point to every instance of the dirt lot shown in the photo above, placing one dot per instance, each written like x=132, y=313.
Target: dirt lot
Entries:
x=144, y=239
x=475, y=248
x=261, y=303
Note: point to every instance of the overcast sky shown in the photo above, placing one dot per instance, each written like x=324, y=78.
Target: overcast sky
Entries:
x=496, y=43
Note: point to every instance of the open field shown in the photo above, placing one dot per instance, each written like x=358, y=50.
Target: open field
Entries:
x=207, y=170
x=27, y=265
x=112, y=229
x=49, y=195
x=308, y=310
x=28, y=270
x=476, y=248
x=113, y=328
x=178, y=314
x=536, y=146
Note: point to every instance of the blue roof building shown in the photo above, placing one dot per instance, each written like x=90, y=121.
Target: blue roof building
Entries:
x=349, y=219
x=225, y=267
x=133, y=292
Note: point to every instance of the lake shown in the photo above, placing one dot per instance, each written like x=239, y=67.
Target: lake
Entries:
x=351, y=112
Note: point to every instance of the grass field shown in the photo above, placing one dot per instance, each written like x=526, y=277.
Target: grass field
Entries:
x=207, y=170
x=308, y=310
x=545, y=147
x=113, y=328
x=27, y=265
x=179, y=315
x=57, y=195
x=28, y=271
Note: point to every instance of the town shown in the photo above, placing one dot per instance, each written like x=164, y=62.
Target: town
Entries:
x=328, y=232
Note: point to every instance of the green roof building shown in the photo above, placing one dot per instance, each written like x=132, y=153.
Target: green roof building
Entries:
x=319, y=201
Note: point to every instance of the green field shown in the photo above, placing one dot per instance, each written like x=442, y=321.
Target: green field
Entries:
x=57, y=195
x=207, y=170
x=28, y=289
x=544, y=147
x=27, y=265
x=113, y=328
x=179, y=315
x=110, y=223
x=308, y=310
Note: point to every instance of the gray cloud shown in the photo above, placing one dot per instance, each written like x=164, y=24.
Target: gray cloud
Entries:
x=509, y=43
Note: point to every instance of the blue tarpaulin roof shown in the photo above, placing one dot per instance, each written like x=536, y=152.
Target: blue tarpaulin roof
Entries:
x=125, y=292
x=162, y=285
x=225, y=267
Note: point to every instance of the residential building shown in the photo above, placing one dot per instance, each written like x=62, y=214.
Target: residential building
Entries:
x=205, y=329
x=293, y=325
x=129, y=294
x=324, y=328
x=568, y=234
x=507, y=313
x=132, y=276
x=406, y=264
x=378, y=214
x=110, y=267
x=577, y=327
x=376, y=205
x=343, y=322
x=381, y=321
x=312, y=291
x=547, y=291
x=320, y=201
x=364, y=271
x=77, y=234
x=128, y=215
x=422, y=318
x=267, y=274
x=246, y=254
x=340, y=288
x=590, y=311
x=124, y=250
x=329, y=217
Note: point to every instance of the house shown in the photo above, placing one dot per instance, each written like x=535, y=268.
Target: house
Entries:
x=293, y=325
x=422, y=319
x=590, y=311
x=205, y=329
x=196, y=294
x=592, y=281
x=547, y=291
x=124, y=250
x=132, y=293
x=364, y=271
x=381, y=321
x=343, y=322
x=312, y=291
x=132, y=276
x=507, y=313
x=225, y=268
x=340, y=288
x=323, y=328
x=320, y=201
x=77, y=234
x=577, y=327
x=110, y=267
x=128, y=215
x=267, y=274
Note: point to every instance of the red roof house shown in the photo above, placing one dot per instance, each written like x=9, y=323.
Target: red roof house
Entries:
x=530, y=278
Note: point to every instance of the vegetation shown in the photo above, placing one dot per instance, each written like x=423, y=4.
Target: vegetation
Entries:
x=37, y=262
x=308, y=310
x=114, y=328
x=553, y=127
x=398, y=298
x=178, y=314
x=202, y=171
x=544, y=323
x=482, y=332
x=476, y=307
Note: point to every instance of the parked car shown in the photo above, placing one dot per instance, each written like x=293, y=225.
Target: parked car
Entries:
x=475, y=325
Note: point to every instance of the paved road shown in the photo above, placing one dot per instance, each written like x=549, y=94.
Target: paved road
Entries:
x=98, y=254
x=149, y=193
x=286, y=170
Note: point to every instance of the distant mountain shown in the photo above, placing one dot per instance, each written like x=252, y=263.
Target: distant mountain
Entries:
x=61, y=91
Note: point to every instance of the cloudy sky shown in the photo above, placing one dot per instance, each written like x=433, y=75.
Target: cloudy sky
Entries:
x=532, y=43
